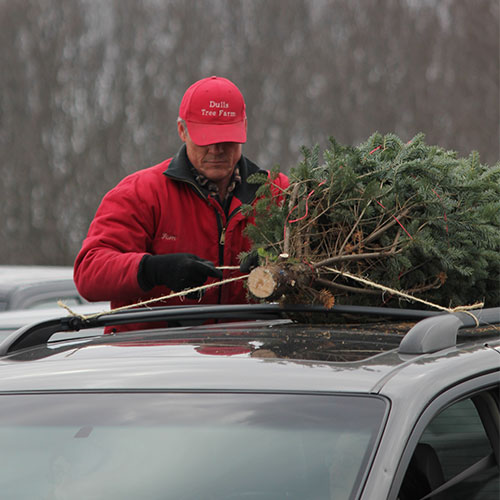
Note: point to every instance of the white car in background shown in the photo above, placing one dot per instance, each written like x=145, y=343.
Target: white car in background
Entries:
x=29, y=294
x=37, y=287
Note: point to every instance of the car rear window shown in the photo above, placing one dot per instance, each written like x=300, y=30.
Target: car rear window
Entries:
x=186, y=445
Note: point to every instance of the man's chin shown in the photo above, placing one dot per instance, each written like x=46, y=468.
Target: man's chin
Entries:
x=217, y=164
x=218, y=170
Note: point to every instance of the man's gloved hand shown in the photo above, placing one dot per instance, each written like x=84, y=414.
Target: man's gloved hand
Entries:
x=176, y=271
x=249, y=262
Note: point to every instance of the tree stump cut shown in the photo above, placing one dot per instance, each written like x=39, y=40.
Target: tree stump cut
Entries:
x=274, y=280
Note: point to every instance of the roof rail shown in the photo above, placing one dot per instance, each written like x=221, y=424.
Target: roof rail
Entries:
x=440, y=332
x=40, y=333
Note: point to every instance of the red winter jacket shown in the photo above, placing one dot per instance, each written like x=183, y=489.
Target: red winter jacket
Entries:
x=161, y=210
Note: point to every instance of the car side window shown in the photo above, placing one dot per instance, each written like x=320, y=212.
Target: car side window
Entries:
x=456, y=451
x=47, y=302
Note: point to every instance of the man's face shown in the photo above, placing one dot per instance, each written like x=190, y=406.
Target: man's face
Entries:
x=215, y=161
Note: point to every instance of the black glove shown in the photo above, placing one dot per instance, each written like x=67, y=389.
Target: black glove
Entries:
x=176, y=271
x=249, y=262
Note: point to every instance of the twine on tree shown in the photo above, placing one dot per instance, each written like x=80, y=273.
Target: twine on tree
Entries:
x=156, y=299
x=392, y=291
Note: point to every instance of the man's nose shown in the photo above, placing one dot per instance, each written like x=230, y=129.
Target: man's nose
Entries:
x=216, y=148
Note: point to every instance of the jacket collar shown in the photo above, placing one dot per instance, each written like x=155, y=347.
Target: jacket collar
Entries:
x=178, y=170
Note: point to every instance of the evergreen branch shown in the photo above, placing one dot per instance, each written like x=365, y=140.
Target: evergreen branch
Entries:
x=291, y=204
x=385, y=227
x=355, y=225
x=345, y=288
x=437, y=283
x=351, y=258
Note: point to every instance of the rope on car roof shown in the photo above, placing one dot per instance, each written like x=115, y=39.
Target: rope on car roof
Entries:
x=464, y=309
x=150, y=301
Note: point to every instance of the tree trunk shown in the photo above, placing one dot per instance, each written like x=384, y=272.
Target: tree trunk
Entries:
x=272, y=281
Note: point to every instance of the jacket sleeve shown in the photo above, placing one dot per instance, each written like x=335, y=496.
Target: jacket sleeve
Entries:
x=279, y=185
x=118, y=238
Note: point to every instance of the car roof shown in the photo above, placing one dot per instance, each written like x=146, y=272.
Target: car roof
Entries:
x=261, y=355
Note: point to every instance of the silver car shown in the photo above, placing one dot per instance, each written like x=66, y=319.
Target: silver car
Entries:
x=265, y=402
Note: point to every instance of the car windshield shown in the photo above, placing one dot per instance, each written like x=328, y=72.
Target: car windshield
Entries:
x=223, y=446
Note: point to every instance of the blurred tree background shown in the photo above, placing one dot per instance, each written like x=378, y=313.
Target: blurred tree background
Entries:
x=90, y=90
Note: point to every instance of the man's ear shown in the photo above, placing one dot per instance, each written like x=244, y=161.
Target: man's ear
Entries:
x=181, y=131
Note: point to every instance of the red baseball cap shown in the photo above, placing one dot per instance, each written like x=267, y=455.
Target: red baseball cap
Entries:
x=214, y=111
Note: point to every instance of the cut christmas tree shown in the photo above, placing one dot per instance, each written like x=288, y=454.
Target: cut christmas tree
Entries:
x=378, y=224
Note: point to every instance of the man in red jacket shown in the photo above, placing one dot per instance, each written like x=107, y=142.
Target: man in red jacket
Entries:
x=172, y=226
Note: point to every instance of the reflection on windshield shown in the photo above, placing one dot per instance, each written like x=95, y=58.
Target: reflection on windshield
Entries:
x=185, y=446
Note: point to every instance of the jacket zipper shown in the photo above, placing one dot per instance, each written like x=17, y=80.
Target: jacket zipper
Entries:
x=221, y=227
x=222, y=239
